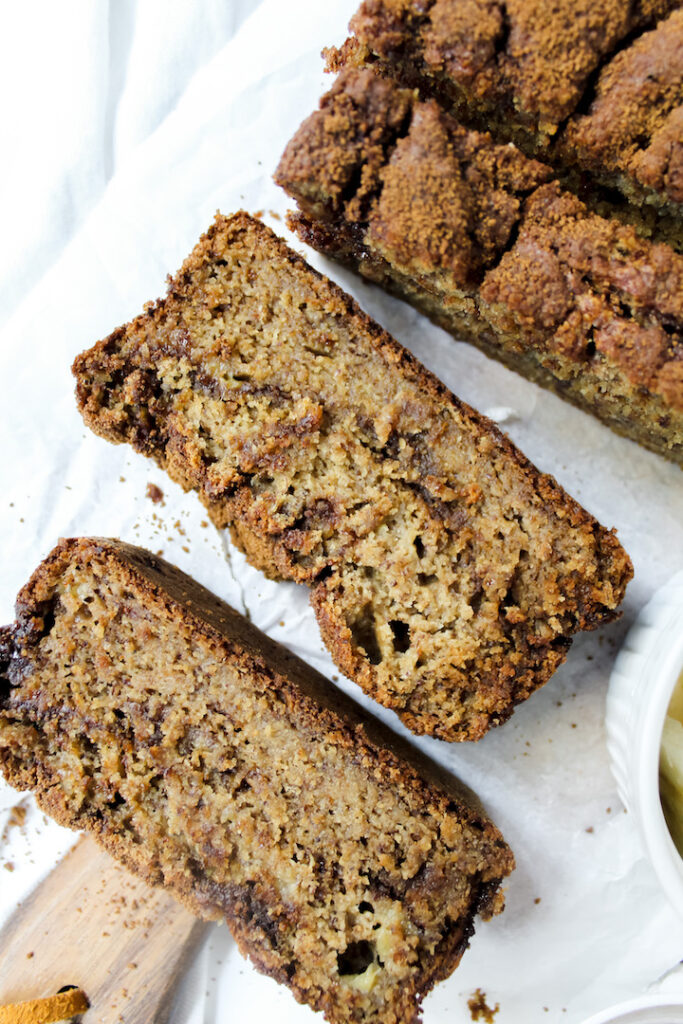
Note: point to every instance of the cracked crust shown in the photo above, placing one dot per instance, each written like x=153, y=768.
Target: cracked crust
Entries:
x=448, y=199
x=523, y=70
x=467, y=230
x=517, y=55
x=632, y=135
x=572, y=281
x=199, y=753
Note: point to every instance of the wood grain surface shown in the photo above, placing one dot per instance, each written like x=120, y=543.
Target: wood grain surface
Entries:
x=92, y=924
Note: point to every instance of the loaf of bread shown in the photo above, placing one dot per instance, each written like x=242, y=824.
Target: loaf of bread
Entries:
x=447, y=574
x=478, y=237
x=208, y=759
x=595, y=89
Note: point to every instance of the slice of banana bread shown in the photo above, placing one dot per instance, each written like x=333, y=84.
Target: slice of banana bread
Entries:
x=447, y=574
x=208, y=759
x=474, y=234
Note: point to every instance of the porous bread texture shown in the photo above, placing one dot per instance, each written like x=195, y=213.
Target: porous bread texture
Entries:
x=475, y=235
x=447, y=574
x=209, y=760
x=529, y=71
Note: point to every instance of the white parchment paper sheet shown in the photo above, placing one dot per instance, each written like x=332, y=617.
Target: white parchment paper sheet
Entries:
x=153, y=116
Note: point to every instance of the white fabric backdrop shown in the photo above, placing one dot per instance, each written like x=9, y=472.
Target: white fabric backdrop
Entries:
x=125, y=127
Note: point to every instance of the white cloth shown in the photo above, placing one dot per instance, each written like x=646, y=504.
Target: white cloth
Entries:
x=125, y=127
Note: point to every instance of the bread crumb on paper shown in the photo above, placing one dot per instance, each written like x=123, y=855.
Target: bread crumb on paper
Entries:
x=479, y=1008
x=154, y=493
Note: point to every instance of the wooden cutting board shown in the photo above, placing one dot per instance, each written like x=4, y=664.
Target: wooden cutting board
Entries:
x=94, y=925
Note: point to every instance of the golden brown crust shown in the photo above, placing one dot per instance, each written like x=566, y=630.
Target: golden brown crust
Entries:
x=520, y=55
x=449, y=198
x=361, y=117
x=577, y=301
x=634, y=127
x=523, y=69
x=583, y=271
x=58, y=723
x=435, y=195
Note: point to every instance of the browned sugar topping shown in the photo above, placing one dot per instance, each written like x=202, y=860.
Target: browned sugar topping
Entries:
x=441, y=198
x=533, y=60
x=526, y=71
x=462, y=227
x=449, y=197
x=573, y=280
x=359, y=141
x=635, y=123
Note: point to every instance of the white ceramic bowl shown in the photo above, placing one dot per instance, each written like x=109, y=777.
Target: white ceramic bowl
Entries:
x=641, y=685
x=646, y=1010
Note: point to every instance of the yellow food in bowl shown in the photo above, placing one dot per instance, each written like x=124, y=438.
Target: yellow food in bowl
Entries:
x=671, y=766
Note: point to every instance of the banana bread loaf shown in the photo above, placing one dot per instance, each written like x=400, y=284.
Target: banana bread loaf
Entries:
x=608, y=75
x=209, y=760
x=447, y=574
x=475, y=235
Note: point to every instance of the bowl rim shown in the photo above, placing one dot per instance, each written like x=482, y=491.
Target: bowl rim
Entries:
x=667, y=663
x=620, y=1012
x=647, y=682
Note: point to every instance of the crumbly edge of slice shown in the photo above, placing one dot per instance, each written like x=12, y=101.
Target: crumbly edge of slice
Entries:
x=623, y=362
x=162, y=738
x=341, y=463
x=459, y=66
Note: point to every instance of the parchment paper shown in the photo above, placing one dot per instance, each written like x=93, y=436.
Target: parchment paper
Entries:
x=586, y=924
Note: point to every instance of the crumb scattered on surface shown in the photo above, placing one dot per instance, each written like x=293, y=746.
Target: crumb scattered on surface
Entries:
x=17, y=816
x=154, y=493
x=16, y=819
x=590, y=829
x=8, y=865
x=479, y=1008
x=537, y=900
